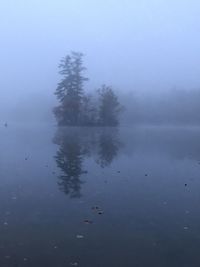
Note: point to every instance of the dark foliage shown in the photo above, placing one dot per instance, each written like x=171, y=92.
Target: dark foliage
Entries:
x=109, y=107
x=70, y=90
x=78, y=109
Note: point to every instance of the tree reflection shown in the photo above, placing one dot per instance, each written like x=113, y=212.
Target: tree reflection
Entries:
x=69, y=159
x=75, y=144
x=109, y=145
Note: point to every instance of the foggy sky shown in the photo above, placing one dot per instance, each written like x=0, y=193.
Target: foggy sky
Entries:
x=130, y=44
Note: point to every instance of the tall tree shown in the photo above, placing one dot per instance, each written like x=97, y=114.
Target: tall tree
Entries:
x=70, y=89
x=109, y=107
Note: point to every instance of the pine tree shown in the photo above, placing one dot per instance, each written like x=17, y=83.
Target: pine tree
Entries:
x=70, y=90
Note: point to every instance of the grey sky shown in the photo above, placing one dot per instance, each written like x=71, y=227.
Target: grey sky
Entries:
x=143, y=44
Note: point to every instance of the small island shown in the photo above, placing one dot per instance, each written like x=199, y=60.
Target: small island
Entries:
x=76, y=107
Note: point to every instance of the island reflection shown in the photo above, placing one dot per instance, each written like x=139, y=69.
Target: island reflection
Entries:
x=75, y=145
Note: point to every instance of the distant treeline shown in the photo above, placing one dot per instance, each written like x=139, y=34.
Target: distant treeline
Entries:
x=162, y=107
x=76, y=108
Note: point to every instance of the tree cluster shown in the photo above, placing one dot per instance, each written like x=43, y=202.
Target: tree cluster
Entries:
x=76, y=108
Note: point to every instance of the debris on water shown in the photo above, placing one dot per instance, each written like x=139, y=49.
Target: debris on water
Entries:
x=185, y=227
x=187, y=212
x=25, y=259
x=118, y=171
x=74, y=263
x=79, y=236
x=146, y=174
x=6, y=124
x=55, y=247
x=5, y=223
x=88, y=221
x=14, y=198
x=95, y=208
x=185, y=184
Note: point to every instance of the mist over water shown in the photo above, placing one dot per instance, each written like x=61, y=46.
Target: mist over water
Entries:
x=146, y=50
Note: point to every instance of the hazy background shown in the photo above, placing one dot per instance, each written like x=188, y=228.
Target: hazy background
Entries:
x=147, y=49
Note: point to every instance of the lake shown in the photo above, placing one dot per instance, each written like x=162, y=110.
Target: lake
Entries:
x=93, y=197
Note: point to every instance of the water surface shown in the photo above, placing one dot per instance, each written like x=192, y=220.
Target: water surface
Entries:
x=96, y=197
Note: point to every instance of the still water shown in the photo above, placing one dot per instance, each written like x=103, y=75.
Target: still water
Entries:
x=127, y=197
